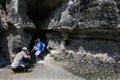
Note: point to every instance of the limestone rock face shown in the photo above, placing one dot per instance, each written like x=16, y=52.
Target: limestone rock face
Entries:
x=93, y=13
x=17, y=14
x=88, y=19
x=18, y=22
x=89, y=29
x=15, y=27
x=71, y=19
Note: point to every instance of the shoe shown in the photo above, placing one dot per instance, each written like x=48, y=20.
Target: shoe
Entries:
x=25, y=70
x=12, y=72
x=31, y=66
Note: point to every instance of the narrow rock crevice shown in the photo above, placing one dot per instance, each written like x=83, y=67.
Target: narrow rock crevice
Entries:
x=38, y=34
x=39, y=11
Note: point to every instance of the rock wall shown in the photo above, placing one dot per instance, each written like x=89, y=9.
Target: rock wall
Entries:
x=90, y=59
x=16, y=30
x=87, y=19
x=18, y=23
x=87, y=42
x=62, y=21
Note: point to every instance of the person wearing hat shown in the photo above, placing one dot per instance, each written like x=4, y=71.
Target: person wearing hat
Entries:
x=18, y=62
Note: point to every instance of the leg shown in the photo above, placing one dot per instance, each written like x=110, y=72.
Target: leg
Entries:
x=18, y=69
x=41, y=55
x=37, y=53
x=27, y=65
x=33, y=57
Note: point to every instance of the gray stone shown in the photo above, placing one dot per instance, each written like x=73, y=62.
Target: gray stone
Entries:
x=17, y=14
x=71, y=19
x=95, y=17
x=18, y=24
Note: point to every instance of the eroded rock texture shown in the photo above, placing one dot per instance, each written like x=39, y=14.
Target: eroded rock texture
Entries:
x=83, y=26
x=61, y=20
x=18, y=21
x=88, y=18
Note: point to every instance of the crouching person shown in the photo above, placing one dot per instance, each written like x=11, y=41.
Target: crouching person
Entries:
x=21, y=61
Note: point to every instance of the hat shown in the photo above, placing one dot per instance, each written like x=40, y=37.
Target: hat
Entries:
x=24, y=49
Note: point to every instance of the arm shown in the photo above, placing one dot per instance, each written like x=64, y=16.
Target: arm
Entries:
x=43, y=47
x=33, y=47
x=26, y=56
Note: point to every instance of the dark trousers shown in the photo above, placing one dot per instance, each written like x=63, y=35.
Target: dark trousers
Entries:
x=21, y=68
x=33, y=57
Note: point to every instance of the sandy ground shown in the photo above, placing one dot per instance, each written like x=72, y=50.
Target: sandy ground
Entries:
x=44, y=70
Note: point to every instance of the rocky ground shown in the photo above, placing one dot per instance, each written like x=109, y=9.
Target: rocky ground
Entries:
x=90, y=66
x=44, y=70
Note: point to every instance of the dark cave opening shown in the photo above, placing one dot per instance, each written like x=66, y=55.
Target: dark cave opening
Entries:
x=38, y=11
x=4, y=54
x=38, y=17
x=38, y=34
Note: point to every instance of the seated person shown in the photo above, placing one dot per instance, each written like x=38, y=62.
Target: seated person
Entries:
x=38, y=47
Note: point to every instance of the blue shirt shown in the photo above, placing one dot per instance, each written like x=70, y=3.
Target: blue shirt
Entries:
x=40, y=46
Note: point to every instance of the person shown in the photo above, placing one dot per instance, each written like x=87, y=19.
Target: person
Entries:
x=38, y=47
x=21, y=61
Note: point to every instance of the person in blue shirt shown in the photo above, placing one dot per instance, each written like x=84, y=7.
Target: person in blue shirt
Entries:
x=38, y=47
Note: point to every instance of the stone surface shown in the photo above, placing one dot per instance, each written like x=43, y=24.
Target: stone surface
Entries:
x=18, y=22
x=82, y=34
x=87, y=19
x=17, y=16
x=44, y=70
x=91, y=59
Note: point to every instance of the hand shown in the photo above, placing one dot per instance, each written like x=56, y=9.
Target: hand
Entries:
x=29, y=57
